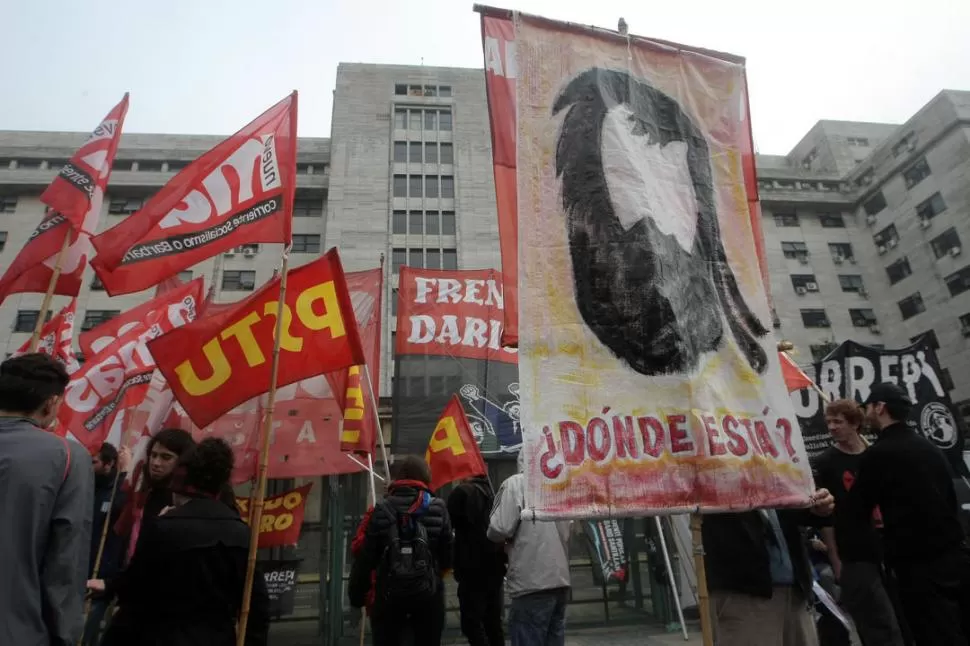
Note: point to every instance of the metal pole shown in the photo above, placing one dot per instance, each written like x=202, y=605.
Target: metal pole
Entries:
x=377, y=420
x=670, y=576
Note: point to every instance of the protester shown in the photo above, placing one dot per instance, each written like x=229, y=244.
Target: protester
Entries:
x=854, y=548
x=408, y=543
x=184, y=585
x=46, y=487
x=538, y=576
x=759, y=575
x=110, y=469
x=911, y=482
x=480, y=564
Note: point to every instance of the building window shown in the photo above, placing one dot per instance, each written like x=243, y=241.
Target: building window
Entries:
x=875, y=204
x=898, y=270
x=841, y=252
x=415, y=90
x=431, y=186
x=911, y=306
x=916, y=173
x=821, y=350
x=447, y=154
x=448, y=227
x=150, y=166
x=400, y=119
x=431, y=153
x=416, y=258
x=430, y=90
x=185, y=276
x=415, y=119
x=8, y=203
x=401, y=89
x=432, y=226
x=931, y=207
x=94, y=318
x=851, y=283
x=125, y=205
x=965, y=322
x=416, y=223
x=235, y=280
x=400, y=186
x=393, y=304
x=3, y=240
x=444, y=90
x=430, y=119
x=27, y=320
x=862, y=142
x=831, y=220
x=97, y=285
x=904, y=145
x=815, y=318
x=307, y=208
x=930, y=336
x=786, y=219
x=434, y=259
x=177, y=166
x=444, y=120
x=447, y=186
x=414, y=151
x=415, y=183
x=958, y=282
x=399, y=222
x=400, y=152
x=863, y=318
x=888, y=238
x=804, y=283
x=794, y=250
x=306, y=243
x=449, y=259
x=399, y=258
x=946, y=242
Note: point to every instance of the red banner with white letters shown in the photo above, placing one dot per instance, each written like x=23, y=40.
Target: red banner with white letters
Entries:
x=57, y=337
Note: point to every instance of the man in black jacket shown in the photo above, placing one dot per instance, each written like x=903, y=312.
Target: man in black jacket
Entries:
x=759, y=575
x=480, y=564
x=912, y=483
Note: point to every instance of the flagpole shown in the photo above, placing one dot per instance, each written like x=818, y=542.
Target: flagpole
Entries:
x=46, y=304
x=377, y=421
x=257, y=505
x=373, y=503
x=703, y=598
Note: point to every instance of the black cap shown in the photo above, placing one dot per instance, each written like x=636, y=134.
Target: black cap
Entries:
x=888, y=393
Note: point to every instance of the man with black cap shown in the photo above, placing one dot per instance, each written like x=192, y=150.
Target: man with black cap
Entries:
x=911, y=481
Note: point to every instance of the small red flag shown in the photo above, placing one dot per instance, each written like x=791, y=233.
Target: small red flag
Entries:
x=57, y=338
x=453, y=453
x=795, y=379
x=239, y=192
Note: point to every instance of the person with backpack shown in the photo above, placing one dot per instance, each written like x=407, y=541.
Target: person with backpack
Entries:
x=408, y=543
x=480, y=564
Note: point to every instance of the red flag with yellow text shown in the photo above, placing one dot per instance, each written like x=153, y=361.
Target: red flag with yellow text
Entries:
x=223, y=360
x=282, y=517
x=452, y=451
x=239, y=192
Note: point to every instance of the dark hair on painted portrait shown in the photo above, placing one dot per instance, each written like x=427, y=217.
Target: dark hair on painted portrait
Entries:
x=654, y=304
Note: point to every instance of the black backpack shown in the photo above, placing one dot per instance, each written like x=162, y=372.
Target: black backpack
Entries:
x=408, y=575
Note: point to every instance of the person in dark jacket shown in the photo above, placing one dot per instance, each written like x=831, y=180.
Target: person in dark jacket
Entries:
x=184, y=586
x=408, y=500
x=110, y=468
x=480, y=564
x=911, y=481
x=759, y=575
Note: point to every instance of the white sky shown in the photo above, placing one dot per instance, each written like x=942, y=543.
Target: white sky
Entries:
x=210, y=66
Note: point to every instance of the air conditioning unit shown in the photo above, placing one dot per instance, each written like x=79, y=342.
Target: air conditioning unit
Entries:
x=881, y=250
x=230, y=253
x=812, y=287
x=852, y=260
x=911, y=145
x=838, y=260
x=925, y=223
x=891, y=243
x=874, y=329
x=863, y=292
x=800, y=291
x=803, y=258
x=870, y=220
x=955, y=251
x=249, y=252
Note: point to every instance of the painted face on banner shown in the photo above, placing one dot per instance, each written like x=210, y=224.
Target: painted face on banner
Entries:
x=651, y=276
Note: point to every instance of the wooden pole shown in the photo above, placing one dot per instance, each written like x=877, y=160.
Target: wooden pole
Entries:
x=377, y=420
x=267, y=427
x=703, y=598
x=46, y=304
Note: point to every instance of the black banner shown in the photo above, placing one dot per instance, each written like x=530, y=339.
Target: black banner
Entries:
x=608, y=548
x=280, y=577
x=852, y=369
x=489, y=391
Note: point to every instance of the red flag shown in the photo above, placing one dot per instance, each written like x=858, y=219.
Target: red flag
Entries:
x=178, y=306
x=57, y=337
x=498, y=43
x=73, y=191
x=239, y=192
x=795, y=379
x=453, y=452
x=282, y=517
x=223, y=360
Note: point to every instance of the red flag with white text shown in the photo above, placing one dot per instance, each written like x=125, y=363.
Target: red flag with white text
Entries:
x=239, y=192
x=452, y=451
x=57, y=338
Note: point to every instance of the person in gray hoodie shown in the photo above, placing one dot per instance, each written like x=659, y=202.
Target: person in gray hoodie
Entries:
x=538, y=574
x=46, y=493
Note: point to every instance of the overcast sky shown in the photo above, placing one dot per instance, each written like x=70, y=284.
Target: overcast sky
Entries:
x=209, y=66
